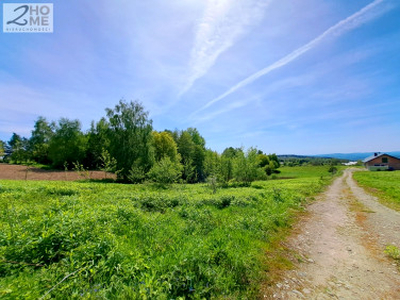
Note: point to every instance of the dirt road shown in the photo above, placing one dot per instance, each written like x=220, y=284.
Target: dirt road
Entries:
x=340, y=246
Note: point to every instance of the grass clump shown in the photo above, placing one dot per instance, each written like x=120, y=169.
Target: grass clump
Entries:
x=393, y=252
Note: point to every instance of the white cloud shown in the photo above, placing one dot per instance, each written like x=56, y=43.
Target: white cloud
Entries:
x=357, y=19
x=223, y=23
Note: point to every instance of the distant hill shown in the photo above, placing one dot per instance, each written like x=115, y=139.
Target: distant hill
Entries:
x=354, y=156
x=299, y=160
x=282, y=156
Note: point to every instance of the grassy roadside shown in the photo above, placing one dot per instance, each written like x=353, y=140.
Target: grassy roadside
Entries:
x=307, y=172
x=279, y=257
x=97, y=240
x=384, y=185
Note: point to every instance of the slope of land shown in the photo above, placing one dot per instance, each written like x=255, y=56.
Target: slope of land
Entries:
x=341, y=245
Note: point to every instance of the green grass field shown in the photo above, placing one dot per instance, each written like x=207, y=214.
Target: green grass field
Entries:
x=88, y=240
x=384, y=185
x=306, y=172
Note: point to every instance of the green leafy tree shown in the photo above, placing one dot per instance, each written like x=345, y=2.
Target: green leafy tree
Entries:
x=268, y=162
x=198, y=161
x=212, y=163
x=165, y=146
x=199, y=153
x=108, y=163
x=189, y=172
x=136, y=174
x=246, y=166
x=232, y=152
x=227, y=158
x=130, y=137
x=196, y=137
x=165, y=171
x=98, y=141
x=2, y=150
x=269, y=169
x=191, y=147
x=226, y=168
x=275, y=160
x=333, y=170
x=18, y=148
x=40, y=139
x=263, y=160
x=68, y=144
x=186, y=150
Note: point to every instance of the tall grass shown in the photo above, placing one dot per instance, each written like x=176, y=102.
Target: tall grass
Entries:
x=384, y=185
x=73, y=240
x=306, y=172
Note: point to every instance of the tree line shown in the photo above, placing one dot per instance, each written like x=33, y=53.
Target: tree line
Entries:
x=124, y=142
x=299, y=160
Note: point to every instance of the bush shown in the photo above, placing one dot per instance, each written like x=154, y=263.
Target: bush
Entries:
x=165, y=171
x=136, y=174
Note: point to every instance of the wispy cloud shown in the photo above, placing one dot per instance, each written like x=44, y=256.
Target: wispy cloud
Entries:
x=223, y=23
x=359, y=18
x=271, y=89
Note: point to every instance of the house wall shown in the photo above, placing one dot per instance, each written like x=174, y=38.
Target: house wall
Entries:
x=392, y=162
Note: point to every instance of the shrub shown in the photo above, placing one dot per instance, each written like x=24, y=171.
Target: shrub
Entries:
x=165, y=171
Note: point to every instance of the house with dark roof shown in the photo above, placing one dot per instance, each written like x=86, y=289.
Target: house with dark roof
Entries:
x=381, y=162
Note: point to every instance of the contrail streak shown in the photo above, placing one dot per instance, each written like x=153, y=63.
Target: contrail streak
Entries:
x=338, y=29
x=222, y=25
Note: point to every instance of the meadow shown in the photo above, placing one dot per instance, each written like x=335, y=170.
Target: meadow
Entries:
x=384, y=185
x=93, y=240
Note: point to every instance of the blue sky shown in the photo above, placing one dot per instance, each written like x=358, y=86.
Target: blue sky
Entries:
x=286, y=76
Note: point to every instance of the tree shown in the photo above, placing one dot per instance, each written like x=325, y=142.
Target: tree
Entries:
x=2, y=149
x=226, y=168
x=108, y=163
x=98, y=142
x=165, y=171
x=227, y=159
x=268, y=162
x=130, y=137
x=275, y=160
x=263, y=160
x=198, y=162
x=165, y=146
x=269, y=168
x=246, y=166
x=212, y=163
x=136, y=174
x=196, y=137
x=191, y=147
x=333, y=170
x=39, y=141
x=17, y=148
x=68, y=144
x=186, y=150
x=232, y=152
